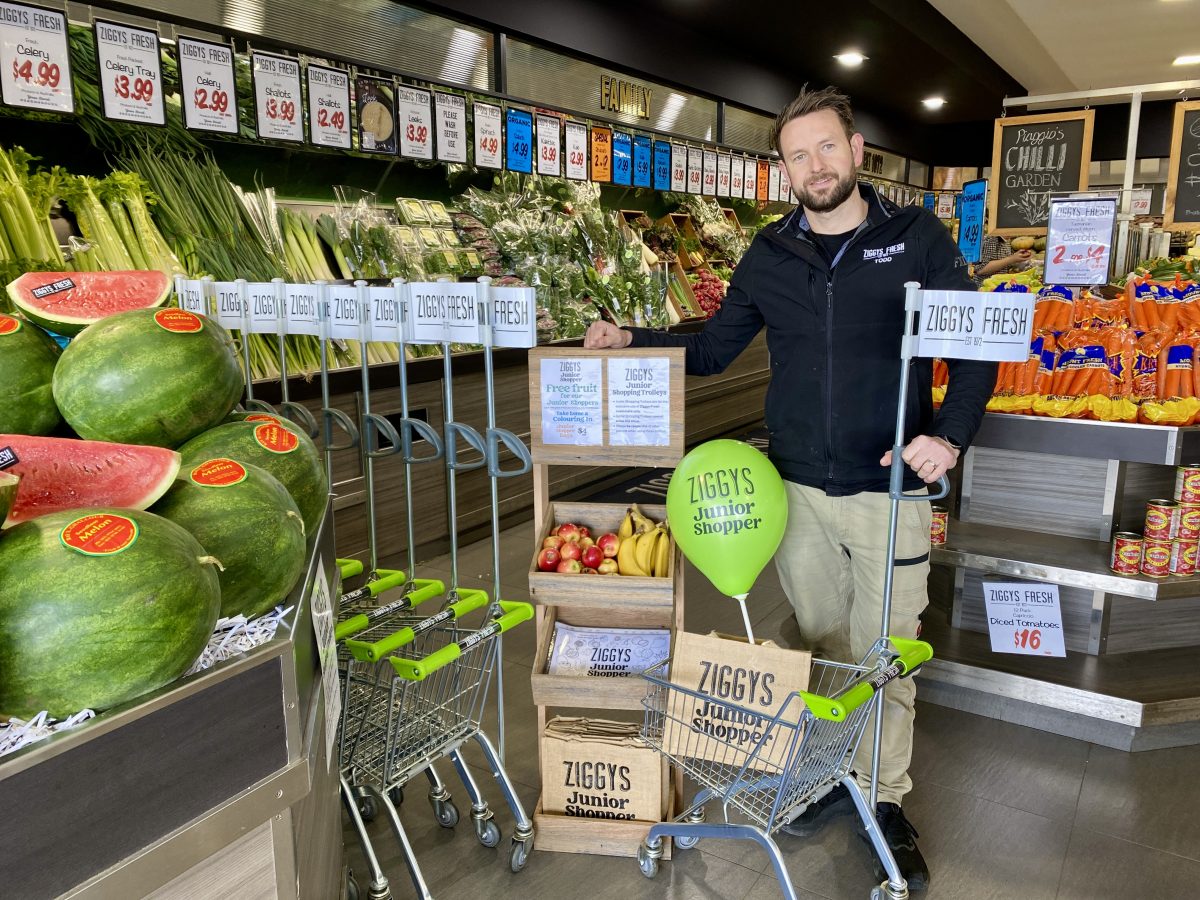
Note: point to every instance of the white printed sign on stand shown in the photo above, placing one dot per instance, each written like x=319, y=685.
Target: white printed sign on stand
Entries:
x=227, y=304
x=639, y=402
x=443, y=311
x=385, y=315
x=1024, y=618
x=571, y=402
x=345, y=322
x=302, y=308
x=514, y=320
x=207, y=85
x=968, y=325
x=451, y=127
x=328, y=106
x=35, y=60
x=265, y=307
x=549, y=141
x=489, y=142
x=416, y=122
x=1079, y=241
x=577, y=151
x=189, y=294
x=130, y=73
x=277, y=108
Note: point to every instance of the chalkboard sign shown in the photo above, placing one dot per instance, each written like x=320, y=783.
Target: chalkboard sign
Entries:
x=1182, y=210
x=1032, y=158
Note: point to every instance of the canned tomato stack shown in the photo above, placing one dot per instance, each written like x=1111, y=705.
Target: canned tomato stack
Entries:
x=1187, y=534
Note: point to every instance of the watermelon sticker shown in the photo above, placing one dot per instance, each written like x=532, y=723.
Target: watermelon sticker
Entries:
x=258, y=417
x=218, y=473
x=179, y=320
x=99, y=534
x=9, y=325
x=276, y=438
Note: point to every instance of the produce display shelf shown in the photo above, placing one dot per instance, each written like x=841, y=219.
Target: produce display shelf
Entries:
x=1131, y=442
x=1075, y=562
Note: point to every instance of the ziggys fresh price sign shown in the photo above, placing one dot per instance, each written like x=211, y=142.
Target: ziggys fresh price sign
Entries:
x=130, y=73
x=35, y=67
x=965, y=325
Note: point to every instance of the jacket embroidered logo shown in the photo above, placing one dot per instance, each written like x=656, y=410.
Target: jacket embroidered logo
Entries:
x=883, y=254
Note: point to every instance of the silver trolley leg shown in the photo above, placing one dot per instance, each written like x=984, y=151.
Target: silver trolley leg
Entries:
x=895, y=888
x=378, y=888
x=410, y=858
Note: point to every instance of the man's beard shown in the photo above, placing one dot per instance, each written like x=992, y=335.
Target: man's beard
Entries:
x=841, y=190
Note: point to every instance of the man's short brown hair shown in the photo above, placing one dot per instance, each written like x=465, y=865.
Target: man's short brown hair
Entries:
x=808, y=101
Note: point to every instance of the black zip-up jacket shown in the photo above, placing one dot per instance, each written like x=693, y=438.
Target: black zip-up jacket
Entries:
x=833, y=333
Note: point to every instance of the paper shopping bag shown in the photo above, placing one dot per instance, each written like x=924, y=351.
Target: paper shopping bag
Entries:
x=601, y=771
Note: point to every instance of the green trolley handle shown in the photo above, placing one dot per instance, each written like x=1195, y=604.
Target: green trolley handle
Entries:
x=836, y=709
x=470, y=600
x=350, y=567
x=423, y=589
x=388, y=579
x=418, y=669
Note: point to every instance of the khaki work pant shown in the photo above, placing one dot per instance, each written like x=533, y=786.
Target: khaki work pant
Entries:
x=831, y=564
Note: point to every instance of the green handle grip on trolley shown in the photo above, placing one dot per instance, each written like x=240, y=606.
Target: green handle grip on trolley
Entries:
x=337, y=417
x=299, y=414
x=912, y=655
x=373, y=425
x=350, y=567
x=386, y=580
x=418, y=669
x=516, y=446
x=425, y=430
x=455, y=430
x=373, y=652
x=423, y=589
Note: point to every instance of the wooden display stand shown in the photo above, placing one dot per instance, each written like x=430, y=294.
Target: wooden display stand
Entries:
x=620, y=601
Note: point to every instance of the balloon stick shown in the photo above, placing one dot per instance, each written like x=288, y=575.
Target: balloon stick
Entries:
x=741, y=599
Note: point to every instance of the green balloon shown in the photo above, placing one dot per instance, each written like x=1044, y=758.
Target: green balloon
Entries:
x=728, y=509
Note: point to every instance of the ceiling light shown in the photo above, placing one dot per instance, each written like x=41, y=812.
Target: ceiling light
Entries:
x=1192, y=60
x=851, y=59
x=934, y=102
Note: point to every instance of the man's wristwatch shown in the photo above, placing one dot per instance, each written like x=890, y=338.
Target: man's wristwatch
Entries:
x=949, y=440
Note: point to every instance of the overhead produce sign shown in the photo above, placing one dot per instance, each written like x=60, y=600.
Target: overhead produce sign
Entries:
x=1079, y=241
x=945, y=206
x=206, y=85
x=130, y=73
x=709, y=186
x=1182, y=209
x=970, y=226
x=662, y=166
x=518, y=128
x=678, y=168
x=785, y=186
x=1032, y=158
x=695, y=169
x=451, y=111
x=328, y=106
x=642, y=164
x=35, y=64
x=376, y=102
x=622, y=154
x=602, y=162
x=416, y=122
x=737, y=176
x=487, y=136
x=761, y=184
x=549, y=141
x=577, y=155
x=723, y=166
x=773, y=184
x=750, y=181
x=277, y=109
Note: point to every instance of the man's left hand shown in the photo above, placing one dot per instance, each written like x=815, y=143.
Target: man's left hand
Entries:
x=929, y=457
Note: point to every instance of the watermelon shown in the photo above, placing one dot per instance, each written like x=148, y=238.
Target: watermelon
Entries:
x=148, y=377
x=63, y=473
x=283, y=449
x=244, y=517
x=68, y=302
x=99, y=606
x=8, y=492
x=27, y=359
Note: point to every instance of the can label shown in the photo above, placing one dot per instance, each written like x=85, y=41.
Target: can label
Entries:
x=1187, y=484
x=1156, y=558
x=1183, y=557
x=1189, y=522
x=1162, y=520
x=938, y=525
x=1126, y=553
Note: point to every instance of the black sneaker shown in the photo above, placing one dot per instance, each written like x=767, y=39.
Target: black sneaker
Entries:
x=836, y=803
x=901, y=838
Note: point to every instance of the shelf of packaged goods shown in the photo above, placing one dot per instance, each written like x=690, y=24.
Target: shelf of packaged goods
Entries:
x=1131, y=442
x=1076, y=562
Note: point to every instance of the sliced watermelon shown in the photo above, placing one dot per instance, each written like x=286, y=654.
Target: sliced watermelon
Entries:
x=63, y=473
x=68, y=302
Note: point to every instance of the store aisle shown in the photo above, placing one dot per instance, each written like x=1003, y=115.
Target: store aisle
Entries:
x=1002, y=810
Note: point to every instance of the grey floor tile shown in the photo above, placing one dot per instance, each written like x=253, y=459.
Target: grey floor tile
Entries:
x=1020, y=767
x=767, y=888
x=1099, y=867
x=1148, y=797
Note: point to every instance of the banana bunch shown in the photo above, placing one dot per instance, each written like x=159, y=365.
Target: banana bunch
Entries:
x=645, y=548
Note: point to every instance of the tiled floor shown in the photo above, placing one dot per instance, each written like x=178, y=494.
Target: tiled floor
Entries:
x=1003, y=811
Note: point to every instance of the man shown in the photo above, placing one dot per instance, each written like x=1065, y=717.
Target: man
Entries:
x=827, y=283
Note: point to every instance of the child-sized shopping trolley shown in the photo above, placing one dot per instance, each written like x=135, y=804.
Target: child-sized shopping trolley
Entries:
x=416, y=687
x=796, y=757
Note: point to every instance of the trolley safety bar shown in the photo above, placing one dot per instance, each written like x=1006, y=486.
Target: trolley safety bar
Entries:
x=514, y=613
x=469, y=600
x=426, y=589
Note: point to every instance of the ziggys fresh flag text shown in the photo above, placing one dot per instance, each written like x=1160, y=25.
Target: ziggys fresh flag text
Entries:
x=993, y=327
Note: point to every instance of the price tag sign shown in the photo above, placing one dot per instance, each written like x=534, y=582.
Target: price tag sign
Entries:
x=227, y=304
x=969, y=325
x=385, y=315
x=1024, y=618
x=514, y=317
x=622, y=154
x=207, y=86
x=945, y=206
x=750, y=181
x=709, y=185
x=571, y=402
x=328, y=107
x=678, y=168
x=723, y=167
x=763, y=180
x=416, y=122
x=970, y=224
x=264, y=306
x=577, y=167
x=451, y=112
x=773, y=183
x=930, y=201
x=1139, y=202
x=662, y=166
x=443, y=312
x=737, y=175
x=642, y=161
x=549, y=143
x=277, y=97
x=130, y=73
x=519, y=147
x=487, y=136
x=344, y=316
x=785, y=186
x=301, y=308
x=1079, y=241
x=35, y=63
x=602, y=161
x=695, y=170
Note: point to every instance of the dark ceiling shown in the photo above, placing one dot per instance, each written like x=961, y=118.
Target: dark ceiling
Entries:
x=757, y=53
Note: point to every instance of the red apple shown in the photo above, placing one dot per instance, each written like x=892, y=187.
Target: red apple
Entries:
x=569, y=532
x=608, y=566
x=553, y=542
x=609, y=544
x=589, y=571
x=569, y=567
x=548, y=559
x=585, y=542
x=584, y=532
x=570, y=550
x=592, y=557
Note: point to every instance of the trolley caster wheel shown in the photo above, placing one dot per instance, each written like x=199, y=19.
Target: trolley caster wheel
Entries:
x=883, y=892
x=368, y=808
x=446, y=812
x=647, y=863
x=396, y=795
x=686, y=841
x=520, y=853
x=488, y=833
